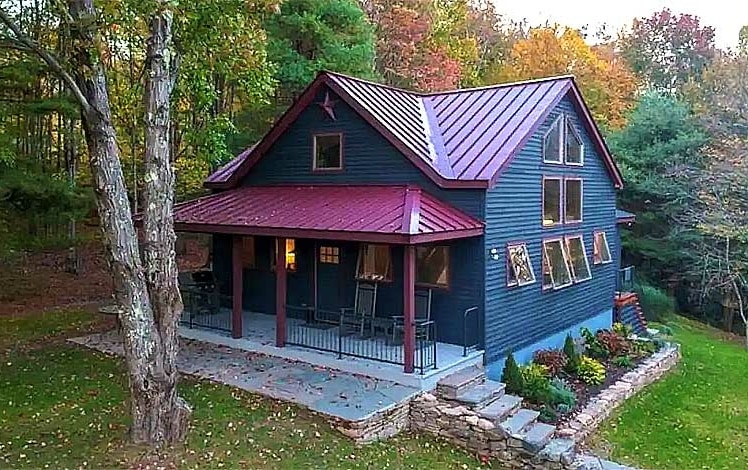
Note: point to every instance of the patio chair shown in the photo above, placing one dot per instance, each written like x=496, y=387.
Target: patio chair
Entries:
x=364, y=307
x=422, y=316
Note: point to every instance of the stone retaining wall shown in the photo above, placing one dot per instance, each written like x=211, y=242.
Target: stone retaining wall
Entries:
x=381, y=425
x=587, y=420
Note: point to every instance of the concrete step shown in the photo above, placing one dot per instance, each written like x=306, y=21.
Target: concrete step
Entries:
x=559, y=450
x=453, y=384
x=500, y=409
x=479, y=395
x=520, y=421
x=536, y=436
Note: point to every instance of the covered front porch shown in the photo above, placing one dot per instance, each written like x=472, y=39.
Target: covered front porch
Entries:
x=375, y=290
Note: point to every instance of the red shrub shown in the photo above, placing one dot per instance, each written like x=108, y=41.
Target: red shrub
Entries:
x=615, y=344
x=553, y=359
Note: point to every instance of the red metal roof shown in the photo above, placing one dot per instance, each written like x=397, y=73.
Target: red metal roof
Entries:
x=387, y=214
x=457, y=138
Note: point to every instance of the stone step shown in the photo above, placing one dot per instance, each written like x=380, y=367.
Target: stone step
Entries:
x=519, y=421
x=537, y=436
x=452, y=385
x=559, y=450
x=591, y=462
x=499, y=410
x=480, y=395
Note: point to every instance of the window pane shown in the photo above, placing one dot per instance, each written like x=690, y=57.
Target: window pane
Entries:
x=600, y=250
x=327, y=154
x=520, y=268
x=573, y=145
x=552, y=143
x=551, y=201
x=374, y=263
x=578, y=259
x=559, y=270
x=432, y=265
x=573, y=200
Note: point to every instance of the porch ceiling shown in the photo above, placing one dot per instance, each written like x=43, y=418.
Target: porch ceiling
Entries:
x=384, y=214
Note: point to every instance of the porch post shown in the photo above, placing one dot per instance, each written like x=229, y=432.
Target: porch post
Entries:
x=409, y=306
x=237, y=290
x=280, y=292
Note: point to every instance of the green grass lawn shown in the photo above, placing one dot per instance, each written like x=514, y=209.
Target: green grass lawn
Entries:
x=697, y=417
x=62, y=406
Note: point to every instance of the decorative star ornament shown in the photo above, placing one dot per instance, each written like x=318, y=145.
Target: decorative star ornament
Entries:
x=328, y=106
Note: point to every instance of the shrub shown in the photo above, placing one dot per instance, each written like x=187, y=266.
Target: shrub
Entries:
x=536, y=383
x=572, y=356
x=643, y=347
x=562, y=395
x=624, y=361
x=622, y=329
x=512, y=376
x=613, y=343
x=547, y=414
x=594, y=348
x=590, y=371
x=655, y=303
x=553, y=359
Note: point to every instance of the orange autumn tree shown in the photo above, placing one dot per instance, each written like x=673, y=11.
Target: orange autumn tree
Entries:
x=608, y=85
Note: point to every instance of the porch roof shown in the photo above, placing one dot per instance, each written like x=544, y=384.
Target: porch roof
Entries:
x=384, y=214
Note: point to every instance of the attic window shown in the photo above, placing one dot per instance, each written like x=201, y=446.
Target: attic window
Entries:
x=574, y=154
x=328, y=152
x=552, y=143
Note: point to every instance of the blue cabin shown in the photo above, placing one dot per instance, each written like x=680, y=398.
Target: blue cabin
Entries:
x=414, y=229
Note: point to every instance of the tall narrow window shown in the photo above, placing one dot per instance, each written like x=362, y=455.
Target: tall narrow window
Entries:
x=573, y=200
x=574, y=150
x=552, y=142
x=374, y=263
x=600, y=249
x=580, y=267
x=290, y=254
x=519, y=268
x=556, y=271
x=432, y=265
x=551, y=201
x=328, y=152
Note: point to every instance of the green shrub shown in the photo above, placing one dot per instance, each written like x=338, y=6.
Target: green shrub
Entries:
x=655, y=303
x=614, y=344
x=590, y=371
x=562, y=395
x=622, y=329
x=572, y=355
x=624, y=361
x=643, y=347
x=553, y=359
x=593, y=347
x=547, y=415
x=512, y=376
x=536, y=383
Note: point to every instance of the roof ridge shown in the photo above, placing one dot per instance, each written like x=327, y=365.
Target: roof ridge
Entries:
x=371, y=82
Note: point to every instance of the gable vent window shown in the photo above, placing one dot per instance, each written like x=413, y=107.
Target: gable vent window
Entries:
x=328, y=152
x=562, y=143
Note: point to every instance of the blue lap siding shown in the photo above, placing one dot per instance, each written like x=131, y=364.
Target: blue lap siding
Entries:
x=520, y=316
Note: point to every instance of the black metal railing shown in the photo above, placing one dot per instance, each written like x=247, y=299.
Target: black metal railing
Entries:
x=205, y=309
x=347, y=334
x=470, y=342
x=626, y=279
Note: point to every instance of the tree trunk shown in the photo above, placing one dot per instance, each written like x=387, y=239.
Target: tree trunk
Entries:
x=159, y=416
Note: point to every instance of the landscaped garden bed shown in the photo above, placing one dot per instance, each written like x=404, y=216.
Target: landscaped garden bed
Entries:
x=560, y=382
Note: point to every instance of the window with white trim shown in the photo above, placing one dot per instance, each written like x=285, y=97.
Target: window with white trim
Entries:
x=574, y=154
x=552, y=143
x=556, y=270
x=600, y=249
x=519, y=268
x=328, y=152
x=551, y=201
x=374, y=263
x=580, y=267
x=572, y=200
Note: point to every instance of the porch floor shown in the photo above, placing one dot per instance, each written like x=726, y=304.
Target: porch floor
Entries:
x=259, y=337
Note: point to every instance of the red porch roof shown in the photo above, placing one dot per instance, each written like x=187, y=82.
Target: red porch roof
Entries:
x=386, y=214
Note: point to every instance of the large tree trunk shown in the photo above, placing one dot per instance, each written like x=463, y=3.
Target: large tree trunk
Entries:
x=159, y=415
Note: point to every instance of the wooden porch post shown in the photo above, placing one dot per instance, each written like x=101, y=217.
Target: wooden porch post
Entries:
x=280, y=292
x=237, y=289
x=409, y=306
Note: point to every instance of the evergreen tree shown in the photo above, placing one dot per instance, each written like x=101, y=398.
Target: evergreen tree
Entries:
x=512, y=375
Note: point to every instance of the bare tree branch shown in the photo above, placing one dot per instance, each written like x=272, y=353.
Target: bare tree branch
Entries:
x=48, y=58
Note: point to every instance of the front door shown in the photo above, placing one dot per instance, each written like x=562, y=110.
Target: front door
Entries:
x=332, y=278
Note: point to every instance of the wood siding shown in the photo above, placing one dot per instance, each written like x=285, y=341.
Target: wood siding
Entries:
x=519, y=316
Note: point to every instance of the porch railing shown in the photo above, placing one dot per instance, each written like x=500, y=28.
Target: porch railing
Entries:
x=470, y=316
x=345, y=334
x=206, y=309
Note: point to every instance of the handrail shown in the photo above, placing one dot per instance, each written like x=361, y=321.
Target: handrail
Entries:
x=465, y=345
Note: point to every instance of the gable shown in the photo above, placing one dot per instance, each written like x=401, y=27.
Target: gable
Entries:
x=457, y=139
